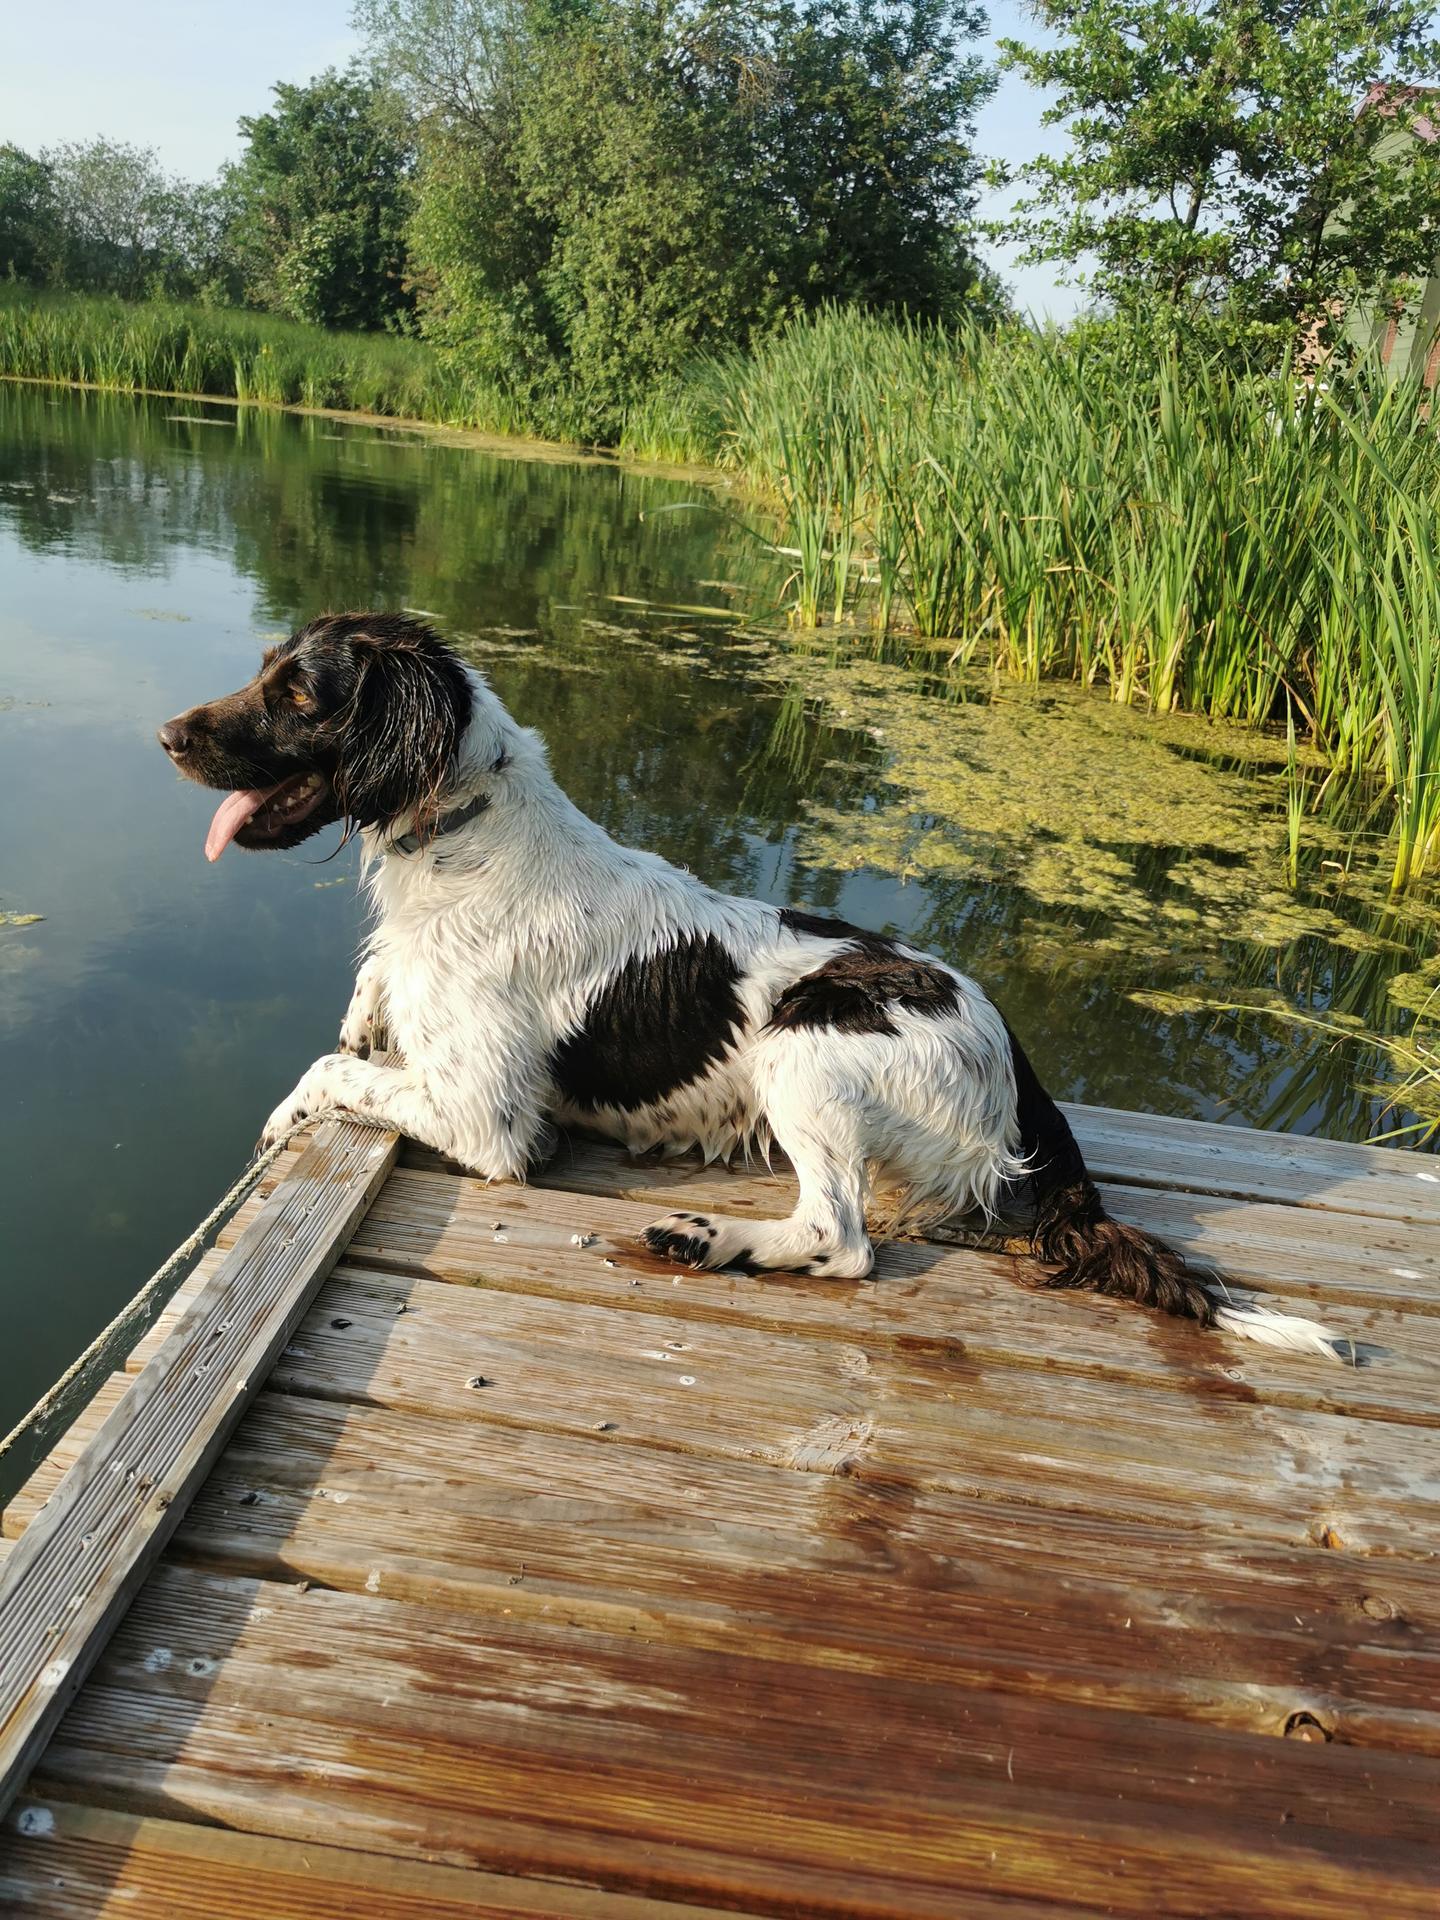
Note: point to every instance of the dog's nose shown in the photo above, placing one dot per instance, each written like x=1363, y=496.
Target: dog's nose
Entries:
x=174, y=736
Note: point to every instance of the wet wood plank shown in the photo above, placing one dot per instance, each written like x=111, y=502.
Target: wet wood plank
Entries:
x=780, y=1564
x=524, y=1748
x=542, y=1574
x=79, y=1565
x=1357, y=1259
x=1195, y=1156
x=833, y=1406
x=438, y=1226
x=66, y=1861
x=1208, y=1575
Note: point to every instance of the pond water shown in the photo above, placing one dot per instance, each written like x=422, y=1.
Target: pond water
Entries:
x=1095, y=871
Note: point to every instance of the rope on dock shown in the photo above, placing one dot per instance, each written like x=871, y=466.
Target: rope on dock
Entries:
x=33, y=1422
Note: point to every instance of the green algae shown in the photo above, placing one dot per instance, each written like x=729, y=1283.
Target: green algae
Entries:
x=1168, y=832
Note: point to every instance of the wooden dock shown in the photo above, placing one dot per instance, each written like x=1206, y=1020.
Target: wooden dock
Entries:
x=484, y=1566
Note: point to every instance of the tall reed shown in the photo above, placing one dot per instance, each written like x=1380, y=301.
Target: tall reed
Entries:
x=1183, y=532
x=164, y=347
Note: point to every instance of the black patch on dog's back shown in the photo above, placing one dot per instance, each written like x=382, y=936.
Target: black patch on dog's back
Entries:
x=663, y=1021
x=796, y=920
x=857, y=990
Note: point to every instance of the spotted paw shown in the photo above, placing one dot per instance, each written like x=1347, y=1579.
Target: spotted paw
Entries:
x=687, y=1238
x=357, y=1035
x=319, y=1092
x=289, y=1115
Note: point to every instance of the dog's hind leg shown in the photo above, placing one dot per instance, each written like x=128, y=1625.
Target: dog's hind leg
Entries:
x=818, y=1126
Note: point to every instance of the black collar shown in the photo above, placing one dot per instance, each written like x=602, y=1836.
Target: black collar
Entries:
x=447, y=823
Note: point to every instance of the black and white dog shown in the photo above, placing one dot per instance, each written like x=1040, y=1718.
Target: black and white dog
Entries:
x=532, y=973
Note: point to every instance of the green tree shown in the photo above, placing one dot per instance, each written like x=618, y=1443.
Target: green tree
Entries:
x=634, y=154
x=453, y=60
x=867, y=150
x=27, y=214
x=118, y=223
x=1234, y=153
x=608, y=186
x=319, y=201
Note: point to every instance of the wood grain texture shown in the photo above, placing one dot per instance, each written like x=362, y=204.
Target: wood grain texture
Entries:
x=1076, y=1441
x=1358, y=1259
x=79, y=1564
x=922, y=1295
x=1196, y=1157
x=542, y=1579
x=67, y=1861
x=882, y=1796
x=772, y=1569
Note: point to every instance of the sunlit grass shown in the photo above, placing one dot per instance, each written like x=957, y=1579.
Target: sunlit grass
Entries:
x=163, y=347
x=1188, y=535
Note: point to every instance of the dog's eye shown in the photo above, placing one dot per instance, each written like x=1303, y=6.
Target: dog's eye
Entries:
x=299, y=696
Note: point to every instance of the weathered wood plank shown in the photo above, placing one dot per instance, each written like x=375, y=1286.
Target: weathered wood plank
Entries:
x=1348, y=1259
x=1336, y=1260
x=63, y=1861
x=758, y=1558
x=1072, y=1445
x=441, y=1227
x=922, y=1597
x=934, y=1415
x=526, y=1748
x=845, y=1573
x=313, y=1487
x=78, y=1566
x=1301, y=1170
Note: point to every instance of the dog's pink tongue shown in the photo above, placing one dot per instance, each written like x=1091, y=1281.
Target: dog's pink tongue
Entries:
x=231, y=815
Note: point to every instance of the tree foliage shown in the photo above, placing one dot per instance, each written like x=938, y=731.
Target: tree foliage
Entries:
x=453, y=60
x=1235, y=152
x=319, y=201
x=104, y=216
x=608, y=186
x=27, y=213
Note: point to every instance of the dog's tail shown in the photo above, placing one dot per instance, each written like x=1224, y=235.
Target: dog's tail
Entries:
x=1080, y=1245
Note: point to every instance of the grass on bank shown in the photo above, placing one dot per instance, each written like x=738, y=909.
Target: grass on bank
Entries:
x=166, y=347
x=1081, y=504
x=1087, y=506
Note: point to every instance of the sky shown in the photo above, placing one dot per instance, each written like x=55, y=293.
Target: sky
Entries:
x=176, y=76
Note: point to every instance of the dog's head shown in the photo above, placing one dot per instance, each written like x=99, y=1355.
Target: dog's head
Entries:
x=357, y=717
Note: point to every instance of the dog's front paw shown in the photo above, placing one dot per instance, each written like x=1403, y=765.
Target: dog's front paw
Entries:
x=318, y=1093
x=289, y=1115
x=357, y=1034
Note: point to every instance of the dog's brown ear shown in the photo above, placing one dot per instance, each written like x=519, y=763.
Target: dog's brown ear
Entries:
x=396, y=739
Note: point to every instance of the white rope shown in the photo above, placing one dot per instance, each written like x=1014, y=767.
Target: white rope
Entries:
x=35, y=1419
